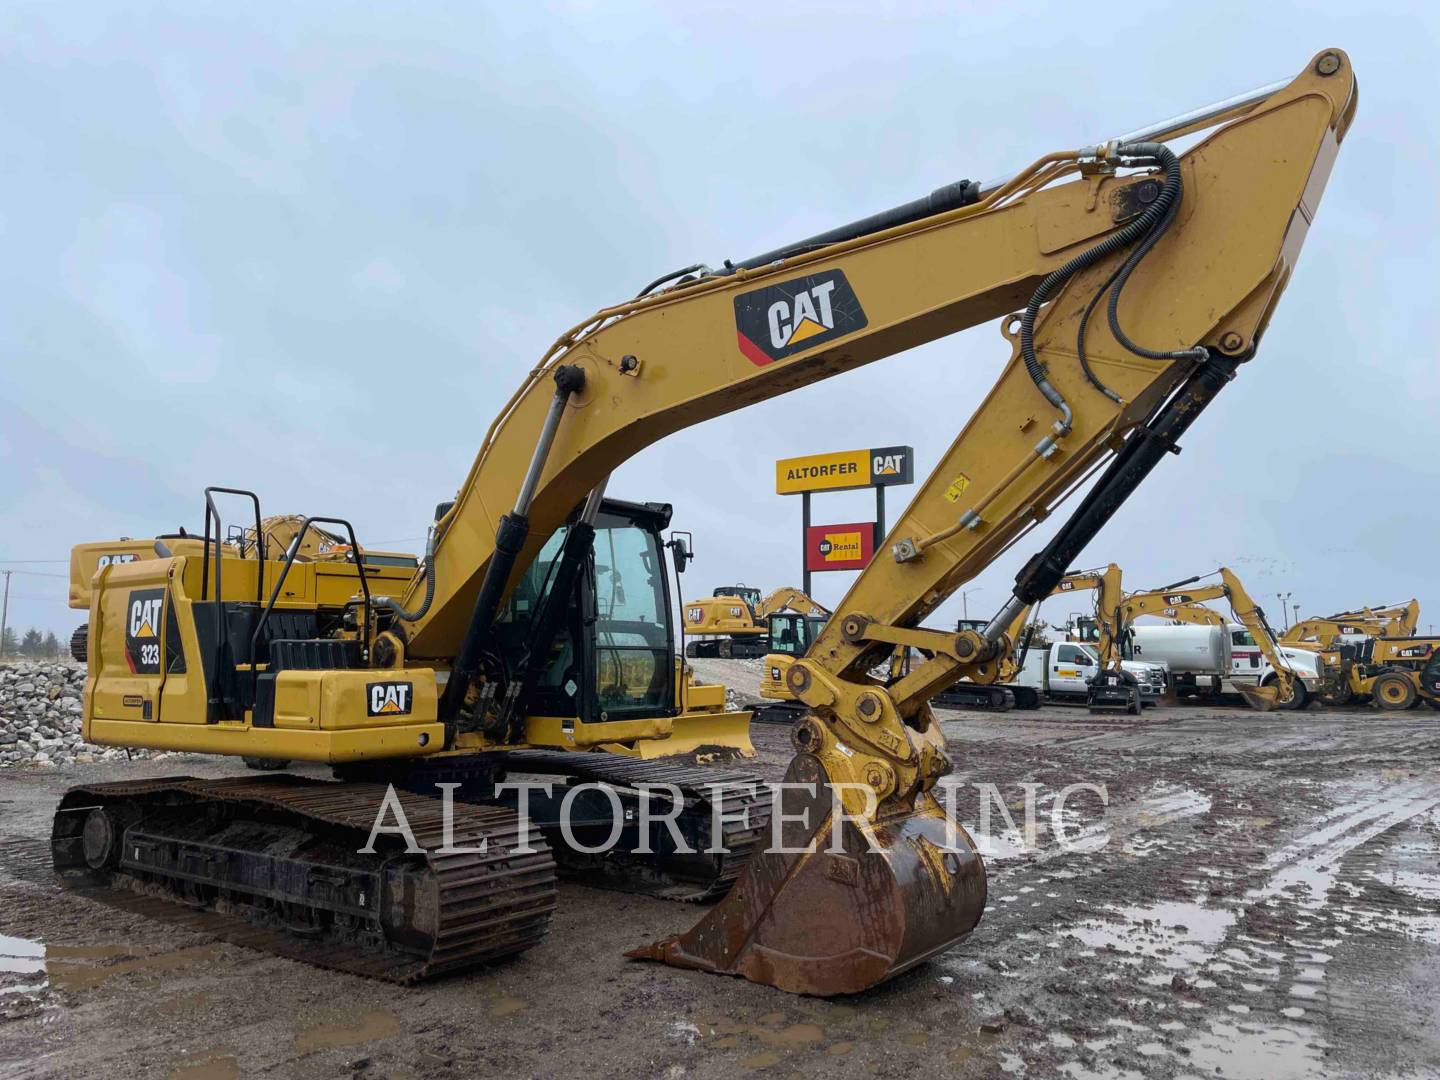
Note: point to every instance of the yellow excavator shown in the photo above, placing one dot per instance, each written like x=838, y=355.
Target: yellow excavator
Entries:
x=1397, y=620
x=1184, y=602
x=536, y=642
x=734, y=623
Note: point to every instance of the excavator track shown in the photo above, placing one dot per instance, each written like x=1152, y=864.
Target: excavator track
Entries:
x=275, y=863
x=721, y=809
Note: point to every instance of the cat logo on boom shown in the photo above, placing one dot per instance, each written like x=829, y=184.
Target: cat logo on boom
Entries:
x=779, y=320
x=389, y=698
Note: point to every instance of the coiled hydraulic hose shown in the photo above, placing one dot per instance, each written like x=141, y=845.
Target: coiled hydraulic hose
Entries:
x=1145, y=231
x=392, y=605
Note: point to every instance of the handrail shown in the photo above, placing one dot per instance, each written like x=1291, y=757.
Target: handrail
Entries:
x=222, y=634
x=280, y=581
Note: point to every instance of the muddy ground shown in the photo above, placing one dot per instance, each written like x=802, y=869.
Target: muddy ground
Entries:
x=1260, y=898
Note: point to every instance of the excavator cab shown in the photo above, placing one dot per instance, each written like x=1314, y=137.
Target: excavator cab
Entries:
x=750, y=595
x=610, y=658
x=791, y=633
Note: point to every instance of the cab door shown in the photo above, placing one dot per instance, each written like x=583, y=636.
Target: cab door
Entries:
x=1070, y=669
x=1245, y=657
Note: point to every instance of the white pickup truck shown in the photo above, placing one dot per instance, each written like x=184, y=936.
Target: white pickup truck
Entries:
x=1064, y=670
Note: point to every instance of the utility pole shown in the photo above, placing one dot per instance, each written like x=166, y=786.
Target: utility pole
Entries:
x=965, y=601
x=1297, y=611
x=4, y=613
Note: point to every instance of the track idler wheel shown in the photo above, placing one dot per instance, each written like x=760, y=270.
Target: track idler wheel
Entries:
x=100, y=840
x=810, y=920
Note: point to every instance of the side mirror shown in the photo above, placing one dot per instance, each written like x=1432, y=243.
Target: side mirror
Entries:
x=679, y=545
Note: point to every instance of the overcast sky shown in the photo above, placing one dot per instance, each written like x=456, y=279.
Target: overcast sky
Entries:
x=310, y=249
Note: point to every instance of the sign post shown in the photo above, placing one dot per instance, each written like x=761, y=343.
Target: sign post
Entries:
x=846, y=546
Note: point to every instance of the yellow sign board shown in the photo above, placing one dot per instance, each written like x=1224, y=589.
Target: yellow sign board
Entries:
x=845, y=469
x=823, y=472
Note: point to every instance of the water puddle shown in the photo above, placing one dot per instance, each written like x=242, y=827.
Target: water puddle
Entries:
x=1249, y=1053
x=1165, y=803
x=774, y=1035
x=367, y=1027
x=21, y=956
x=1179, y=935
x=70, y=968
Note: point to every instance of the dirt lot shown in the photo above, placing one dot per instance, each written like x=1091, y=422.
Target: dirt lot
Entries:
x=1260, y=898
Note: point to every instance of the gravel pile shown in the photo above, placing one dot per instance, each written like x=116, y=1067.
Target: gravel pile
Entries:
x=40, y=716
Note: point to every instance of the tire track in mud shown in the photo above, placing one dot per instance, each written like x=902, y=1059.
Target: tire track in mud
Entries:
x=1246, y=936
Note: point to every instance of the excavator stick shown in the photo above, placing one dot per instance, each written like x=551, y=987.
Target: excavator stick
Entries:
x=813, y=916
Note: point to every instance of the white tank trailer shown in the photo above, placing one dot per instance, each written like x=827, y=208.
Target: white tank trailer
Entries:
x=1214, y=659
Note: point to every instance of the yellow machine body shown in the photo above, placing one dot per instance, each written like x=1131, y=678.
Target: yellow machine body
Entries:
x=144, y=690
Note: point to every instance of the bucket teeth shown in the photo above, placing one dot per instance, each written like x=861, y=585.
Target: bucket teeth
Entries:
x=811, y=915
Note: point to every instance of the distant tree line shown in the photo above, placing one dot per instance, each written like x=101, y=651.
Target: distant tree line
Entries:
x=33, y=645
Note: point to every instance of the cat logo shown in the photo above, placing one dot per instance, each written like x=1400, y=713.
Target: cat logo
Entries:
x=841, y=547
x=1176, y=599
x=1350, y=629
x=779, y=320
x=692, y=614
x=887, y=465
x=1415, y=651
x=142, y=630
x=389, y=698
x=144, y=616
x=115, y=560
x=1170, y=612
x=1066, y=586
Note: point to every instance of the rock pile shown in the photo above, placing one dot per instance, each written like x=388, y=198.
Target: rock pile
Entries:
x=40, y=716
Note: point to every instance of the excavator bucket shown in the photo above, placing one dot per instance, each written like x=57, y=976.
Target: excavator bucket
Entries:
x=813, y=916
x=1261, y=698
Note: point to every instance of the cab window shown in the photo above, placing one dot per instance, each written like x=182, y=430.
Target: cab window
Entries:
x=632, y=632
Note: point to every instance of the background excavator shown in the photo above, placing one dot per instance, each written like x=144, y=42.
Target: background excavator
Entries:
x=1134, y=283
x=1397, y=620
x=734, y=623
x=1183, y=601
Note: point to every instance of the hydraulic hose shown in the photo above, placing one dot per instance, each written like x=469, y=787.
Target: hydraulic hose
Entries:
x=1145, y=231
x=392, y=605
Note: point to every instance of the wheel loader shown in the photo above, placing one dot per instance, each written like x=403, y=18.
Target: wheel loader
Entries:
x=1394, y=673
x=536, y=646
